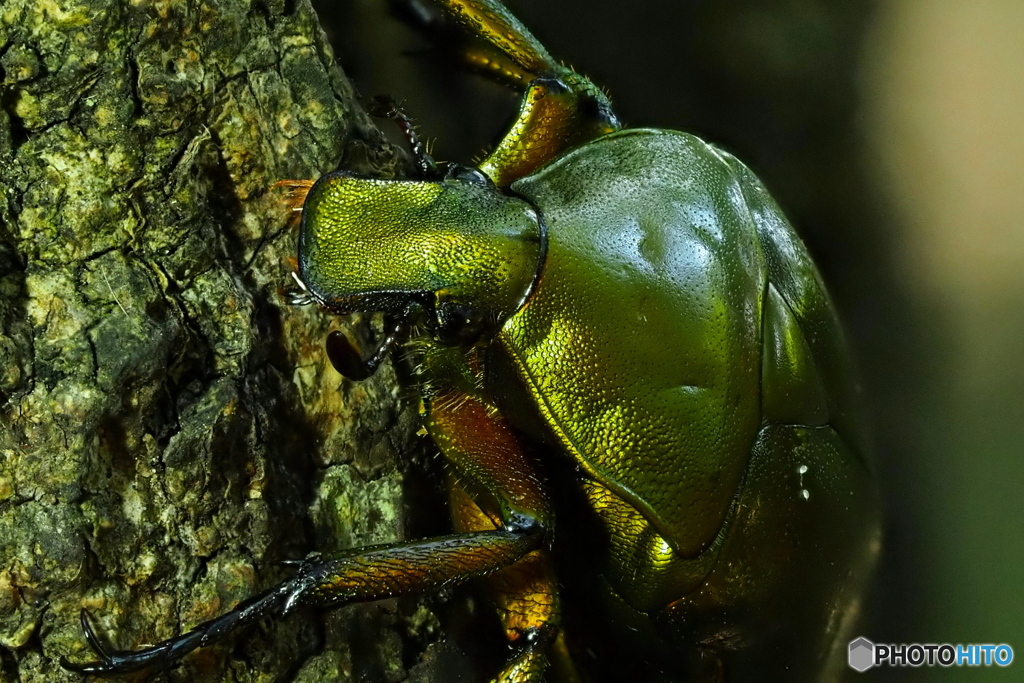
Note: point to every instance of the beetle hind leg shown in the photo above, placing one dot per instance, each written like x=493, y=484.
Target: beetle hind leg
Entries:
x=526, y=597
x=501, y=37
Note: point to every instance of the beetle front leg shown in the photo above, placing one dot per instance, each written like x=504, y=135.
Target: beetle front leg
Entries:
x=507, y=532
x=358, y=575
x=492, y=479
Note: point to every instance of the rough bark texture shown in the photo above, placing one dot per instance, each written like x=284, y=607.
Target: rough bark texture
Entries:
x=169, y=427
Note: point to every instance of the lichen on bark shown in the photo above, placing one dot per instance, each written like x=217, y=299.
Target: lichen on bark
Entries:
x=168, y=425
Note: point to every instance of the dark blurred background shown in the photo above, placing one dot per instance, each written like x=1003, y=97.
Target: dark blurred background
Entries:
x=892, y=133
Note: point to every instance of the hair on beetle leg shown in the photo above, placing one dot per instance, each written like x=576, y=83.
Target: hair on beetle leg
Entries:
x=295, y=193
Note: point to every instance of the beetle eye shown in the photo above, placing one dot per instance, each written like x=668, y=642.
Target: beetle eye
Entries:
x=458, y=325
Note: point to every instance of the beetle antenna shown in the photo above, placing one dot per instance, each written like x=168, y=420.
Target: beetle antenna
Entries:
x=385, y=107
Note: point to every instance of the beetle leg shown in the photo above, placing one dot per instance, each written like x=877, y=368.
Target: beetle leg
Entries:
x=496, y=27
x=525, y=594
x=514, y=513
x=529, y=663
x=555, y=115
x=384, y=106
x=560, y=109
x=477, y=55
x=493, y=478
x=361, y=574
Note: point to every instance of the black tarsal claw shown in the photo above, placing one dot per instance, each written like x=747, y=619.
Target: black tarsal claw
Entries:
x=166, y=653
x=92, y=639
x=105, y=663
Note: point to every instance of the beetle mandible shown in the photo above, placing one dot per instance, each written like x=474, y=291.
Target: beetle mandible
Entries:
x=632, y=367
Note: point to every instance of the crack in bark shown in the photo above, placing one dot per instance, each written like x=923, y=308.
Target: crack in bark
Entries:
x=201, y=369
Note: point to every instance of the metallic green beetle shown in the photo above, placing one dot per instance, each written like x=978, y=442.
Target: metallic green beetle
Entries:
x=631, y=365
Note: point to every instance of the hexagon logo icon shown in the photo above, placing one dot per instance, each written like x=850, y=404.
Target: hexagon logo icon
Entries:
x=862, y=654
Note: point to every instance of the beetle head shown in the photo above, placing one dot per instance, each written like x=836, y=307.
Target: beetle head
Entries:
x=456, y=248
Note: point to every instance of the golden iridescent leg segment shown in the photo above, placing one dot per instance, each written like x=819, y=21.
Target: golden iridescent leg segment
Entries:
x=493, y=480
x=369, y=573
x=555, y=115
x=560, y=109
x=496, y=26
x=510, y=512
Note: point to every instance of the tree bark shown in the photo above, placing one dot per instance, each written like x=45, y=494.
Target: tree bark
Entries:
x=169, y=427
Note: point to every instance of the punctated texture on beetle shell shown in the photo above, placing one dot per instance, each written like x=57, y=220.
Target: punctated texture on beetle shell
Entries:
x=377, y=244
x=648, y=315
